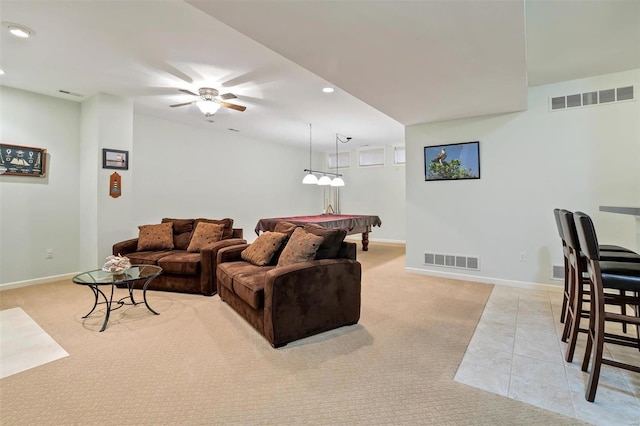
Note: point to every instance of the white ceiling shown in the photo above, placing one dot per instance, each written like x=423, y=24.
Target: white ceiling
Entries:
x=393, y=63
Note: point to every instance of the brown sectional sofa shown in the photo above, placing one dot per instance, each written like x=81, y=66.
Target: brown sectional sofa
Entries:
x=287, y=303
x=183, y=271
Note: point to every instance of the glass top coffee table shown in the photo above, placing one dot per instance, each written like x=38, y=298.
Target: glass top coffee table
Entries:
x=97, y=278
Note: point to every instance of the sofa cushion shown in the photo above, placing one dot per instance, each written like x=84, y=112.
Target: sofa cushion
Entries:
x=333, y=239
x=250, y=287
x=147, y=257
x=181, y=241
x=263, y=248
x=204, y=234
x=182, y=229
x=180, y=226
x=245, y=280
x=301, y=247
x=180, y=262
x=155, y=237
x=227, y=222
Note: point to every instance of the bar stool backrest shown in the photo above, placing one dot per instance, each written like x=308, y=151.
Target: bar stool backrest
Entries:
x=587, y=235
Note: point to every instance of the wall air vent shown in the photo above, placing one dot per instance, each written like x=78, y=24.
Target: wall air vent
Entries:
x=557, y=272
x=66, y=92
x=452, y=261
x=600, y=97
x=624, y=93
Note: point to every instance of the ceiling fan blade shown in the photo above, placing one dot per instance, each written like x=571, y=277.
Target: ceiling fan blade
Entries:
x=188, y=92
x=232, y=106
x=179, y=105
x=228, y=96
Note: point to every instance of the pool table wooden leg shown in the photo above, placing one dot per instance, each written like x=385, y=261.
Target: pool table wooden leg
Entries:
x=365, y=241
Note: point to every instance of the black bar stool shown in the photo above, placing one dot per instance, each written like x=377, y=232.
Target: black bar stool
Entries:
x=599, y=280
x=577, y=279
x=570, y=271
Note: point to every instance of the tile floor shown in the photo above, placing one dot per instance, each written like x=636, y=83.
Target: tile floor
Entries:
x=24, y=344
x=516, y=352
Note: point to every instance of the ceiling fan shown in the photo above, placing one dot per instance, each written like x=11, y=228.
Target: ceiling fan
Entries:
x=209, y=100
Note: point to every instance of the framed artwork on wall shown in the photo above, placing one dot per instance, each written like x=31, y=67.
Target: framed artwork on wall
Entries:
x=18, y=160
x=452, y=161
x=115, y=159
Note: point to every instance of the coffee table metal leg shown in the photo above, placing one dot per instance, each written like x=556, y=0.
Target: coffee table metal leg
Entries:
x=144, y=295
x=95, y=302
x=108, y=303
x=130, y=288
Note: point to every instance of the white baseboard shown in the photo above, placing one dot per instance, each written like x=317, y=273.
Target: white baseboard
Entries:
x=44, y=280
x=357, y=238
x=486, y=280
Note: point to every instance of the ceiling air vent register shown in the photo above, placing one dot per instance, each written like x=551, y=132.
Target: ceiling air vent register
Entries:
x=620, y=94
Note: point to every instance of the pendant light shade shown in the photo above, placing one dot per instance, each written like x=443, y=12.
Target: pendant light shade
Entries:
x=324, y=181
x=310, y=179
x=337, y=181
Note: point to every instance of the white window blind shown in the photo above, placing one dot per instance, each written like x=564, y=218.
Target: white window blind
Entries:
x=371, y=157
x=343, y=160
x=398, y=155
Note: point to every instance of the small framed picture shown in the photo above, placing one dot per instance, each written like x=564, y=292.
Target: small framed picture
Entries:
x=115, y=159
x=452, y=161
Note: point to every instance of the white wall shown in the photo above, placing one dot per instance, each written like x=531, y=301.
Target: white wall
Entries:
x=531, y=163
x=376, y=191
x=37, y=214
x=186, y=172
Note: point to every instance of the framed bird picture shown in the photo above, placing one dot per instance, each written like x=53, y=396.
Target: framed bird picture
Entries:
x=452, y=162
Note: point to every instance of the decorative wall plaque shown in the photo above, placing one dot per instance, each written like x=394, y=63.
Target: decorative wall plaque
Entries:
x=115, y=185
x=22, y=160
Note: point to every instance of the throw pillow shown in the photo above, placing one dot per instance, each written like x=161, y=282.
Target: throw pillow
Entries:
x=263, y=248
x=204, y=234
x=285, y=228
x=333, y=239
x=302, y=246
x=227, y=222
x=155, y=237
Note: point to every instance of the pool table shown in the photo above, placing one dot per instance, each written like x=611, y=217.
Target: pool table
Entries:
x=353, y=223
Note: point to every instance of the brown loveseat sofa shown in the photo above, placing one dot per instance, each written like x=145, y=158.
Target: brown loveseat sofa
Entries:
x=183, y=271
x=287, y=303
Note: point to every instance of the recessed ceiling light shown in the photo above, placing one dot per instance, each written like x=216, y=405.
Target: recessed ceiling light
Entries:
x=328, y=90
x=19, y=30
x=1, y=72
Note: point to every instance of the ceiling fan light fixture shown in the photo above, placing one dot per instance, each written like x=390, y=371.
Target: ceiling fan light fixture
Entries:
x=208, y=107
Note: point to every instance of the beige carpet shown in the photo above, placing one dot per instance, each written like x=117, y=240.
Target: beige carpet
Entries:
x=200, y=363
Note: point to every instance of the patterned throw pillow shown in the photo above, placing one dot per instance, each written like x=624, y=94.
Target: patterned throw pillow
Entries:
x=333, y=239
x=263, y=248
x=227, y=222
x=204, y=234
x=302, y=246
x=155, y=237
x=285, y=228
